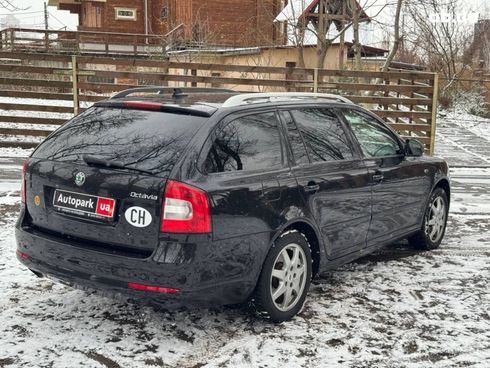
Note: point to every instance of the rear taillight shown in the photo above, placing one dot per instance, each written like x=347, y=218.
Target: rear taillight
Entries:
x=23, y=183
x=22, y=255
x=185, y=209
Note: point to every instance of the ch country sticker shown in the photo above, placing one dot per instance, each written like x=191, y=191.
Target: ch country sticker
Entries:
x=138, y=216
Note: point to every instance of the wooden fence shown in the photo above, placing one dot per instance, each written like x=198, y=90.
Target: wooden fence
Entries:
x=54, y=87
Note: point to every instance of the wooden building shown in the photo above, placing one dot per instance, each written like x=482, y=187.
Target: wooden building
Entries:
x=210, y=22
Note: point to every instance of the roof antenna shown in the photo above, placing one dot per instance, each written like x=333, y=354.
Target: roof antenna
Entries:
x=178, y=93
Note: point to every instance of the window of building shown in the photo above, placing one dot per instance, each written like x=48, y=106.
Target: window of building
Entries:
x=91, y=15
x=248, y=143
x=125, y=14
x=164, y=13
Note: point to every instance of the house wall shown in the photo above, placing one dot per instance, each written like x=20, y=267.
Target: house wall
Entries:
x=109, y=21
x=278, y=56
x=275, y=57
x=224, y=22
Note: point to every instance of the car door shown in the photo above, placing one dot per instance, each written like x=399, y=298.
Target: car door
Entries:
x=399, y=185
x=332, y=179
x=243, y=158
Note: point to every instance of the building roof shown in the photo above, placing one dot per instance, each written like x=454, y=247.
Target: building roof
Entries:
x=366, y=50
x=336, y=5
x=297, y=9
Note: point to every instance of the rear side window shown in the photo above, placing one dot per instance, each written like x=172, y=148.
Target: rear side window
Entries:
x=250, y=142
x=148, y=140
x=322, y=132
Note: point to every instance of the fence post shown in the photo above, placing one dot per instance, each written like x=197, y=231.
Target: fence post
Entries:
x=12, y=39
x=289, y=75
x=435, y=97
x=315, y=80
x=74, y=77
x=194, y=74
x=106, y=41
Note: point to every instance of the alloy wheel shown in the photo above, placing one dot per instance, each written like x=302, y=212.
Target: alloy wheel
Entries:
x=288, y=278
x=436, y=220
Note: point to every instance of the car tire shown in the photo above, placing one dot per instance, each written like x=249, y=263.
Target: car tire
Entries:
x=285, y=278
x=434, y=223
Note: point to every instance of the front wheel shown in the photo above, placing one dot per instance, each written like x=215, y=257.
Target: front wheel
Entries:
x=435, y=219
x=285, y=278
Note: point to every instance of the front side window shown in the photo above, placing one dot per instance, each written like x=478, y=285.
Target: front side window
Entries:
x=250, y=142
x=375, y=139
x=323, y=135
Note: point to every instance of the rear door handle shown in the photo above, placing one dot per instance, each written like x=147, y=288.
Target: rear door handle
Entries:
x=378, y=177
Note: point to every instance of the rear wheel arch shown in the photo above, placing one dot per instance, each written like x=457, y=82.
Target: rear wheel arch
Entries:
x=444, y=185
x=311, y=236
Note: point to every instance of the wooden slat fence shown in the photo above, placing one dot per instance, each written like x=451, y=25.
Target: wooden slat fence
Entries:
x=405, y=99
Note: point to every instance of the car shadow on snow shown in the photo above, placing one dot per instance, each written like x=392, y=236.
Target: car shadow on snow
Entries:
x=393, y=252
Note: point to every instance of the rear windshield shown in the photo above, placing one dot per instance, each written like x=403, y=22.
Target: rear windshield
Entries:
x=147, y=140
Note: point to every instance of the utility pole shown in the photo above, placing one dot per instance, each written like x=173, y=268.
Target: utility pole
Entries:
x=46, y=15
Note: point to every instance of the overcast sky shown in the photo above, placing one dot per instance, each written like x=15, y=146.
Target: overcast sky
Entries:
x=32, y=14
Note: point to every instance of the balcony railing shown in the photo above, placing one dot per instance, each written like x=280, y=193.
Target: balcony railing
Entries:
x=82, y=42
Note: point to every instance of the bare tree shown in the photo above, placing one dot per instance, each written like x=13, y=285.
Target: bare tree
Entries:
x=443, y=46
x=327, y=21
x=398, y=37
x=8, y=4
x=356, y=10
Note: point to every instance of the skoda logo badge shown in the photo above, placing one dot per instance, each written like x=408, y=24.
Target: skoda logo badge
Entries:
x=79, y=178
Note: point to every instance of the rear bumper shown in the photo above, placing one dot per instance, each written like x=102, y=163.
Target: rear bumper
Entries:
x=209, y=273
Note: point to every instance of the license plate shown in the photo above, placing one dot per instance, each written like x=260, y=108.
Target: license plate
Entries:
x=84, y=205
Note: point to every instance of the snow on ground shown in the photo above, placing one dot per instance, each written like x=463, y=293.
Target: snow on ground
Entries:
x=35, y=114
x=395, y=308
x=463, y=139
x=475, y=124
x=15, y=152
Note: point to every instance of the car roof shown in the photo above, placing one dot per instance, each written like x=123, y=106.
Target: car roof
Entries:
x=206, y=101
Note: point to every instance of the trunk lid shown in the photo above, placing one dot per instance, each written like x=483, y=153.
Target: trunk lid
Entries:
x=70, y=196
x=111, y=207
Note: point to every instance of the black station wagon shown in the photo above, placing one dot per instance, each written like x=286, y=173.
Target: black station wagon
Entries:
x=209, y=197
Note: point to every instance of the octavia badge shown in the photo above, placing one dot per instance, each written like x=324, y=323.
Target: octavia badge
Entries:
x=79, y=178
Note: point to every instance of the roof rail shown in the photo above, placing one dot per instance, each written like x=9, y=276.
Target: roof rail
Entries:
x=170, y=90
x=246, y=98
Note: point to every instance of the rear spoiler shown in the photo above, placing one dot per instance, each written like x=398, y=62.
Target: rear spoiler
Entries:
x=154, y=106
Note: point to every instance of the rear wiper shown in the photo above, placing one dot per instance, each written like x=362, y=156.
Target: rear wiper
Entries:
x=95, y=161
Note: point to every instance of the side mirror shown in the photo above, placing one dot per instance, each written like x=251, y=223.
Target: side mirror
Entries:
x=414, y=148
